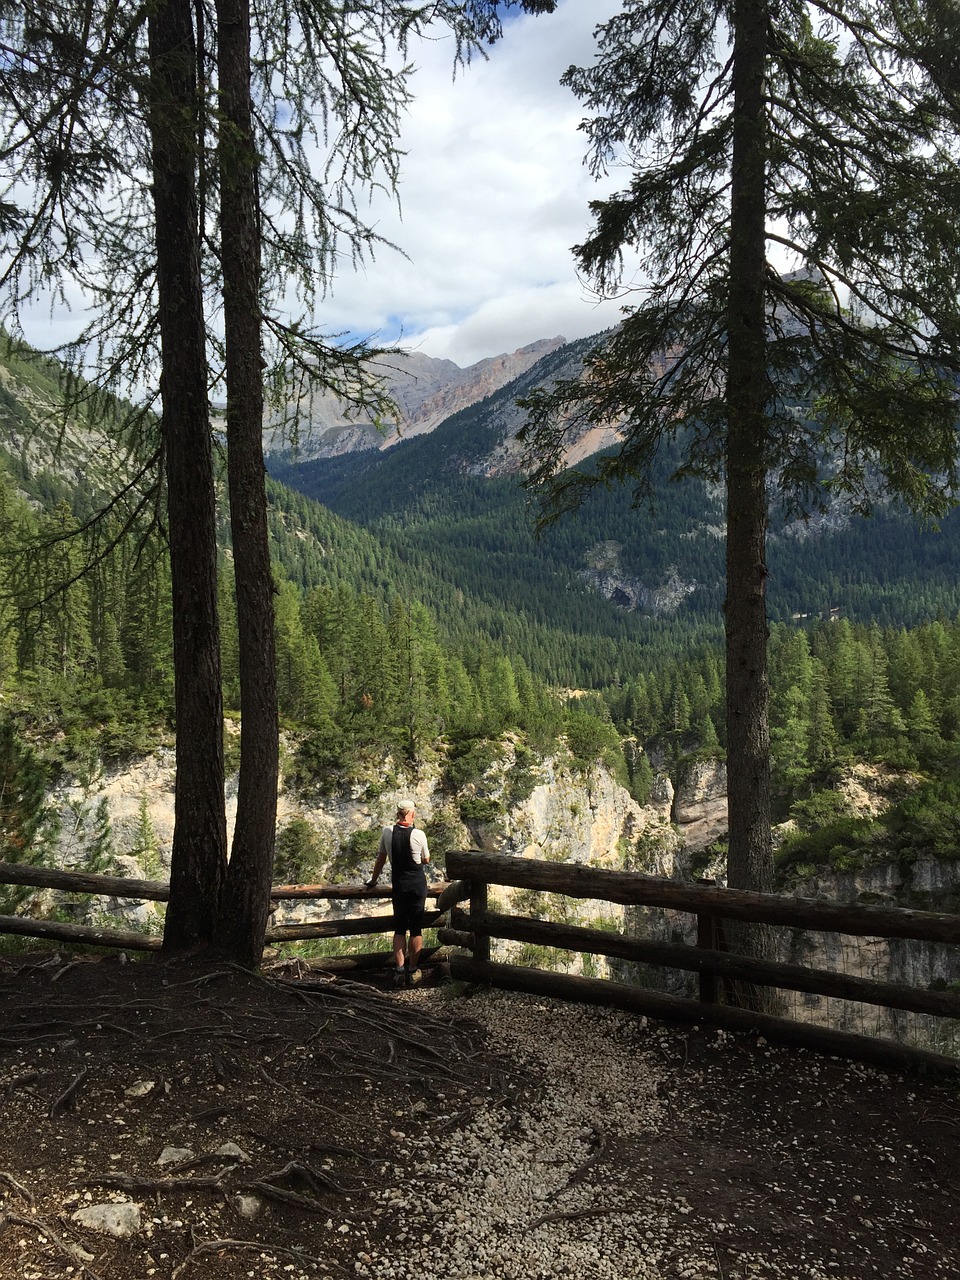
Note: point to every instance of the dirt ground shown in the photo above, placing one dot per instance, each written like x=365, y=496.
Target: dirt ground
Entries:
x=249, y=1126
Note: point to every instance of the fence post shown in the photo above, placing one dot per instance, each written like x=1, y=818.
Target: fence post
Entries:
x=478, y=904
x=708, y=939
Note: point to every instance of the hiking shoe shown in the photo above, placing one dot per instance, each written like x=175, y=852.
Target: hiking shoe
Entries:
x=400, y=978
x=413, y=976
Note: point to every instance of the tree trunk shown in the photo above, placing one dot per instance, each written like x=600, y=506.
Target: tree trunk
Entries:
x=749, y=857
x=246, y=901
x=199, y=838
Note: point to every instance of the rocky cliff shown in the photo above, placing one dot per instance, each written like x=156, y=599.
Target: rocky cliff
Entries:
x=425, y=390
x=125, y=817
x=605, y=574
x=549, y=810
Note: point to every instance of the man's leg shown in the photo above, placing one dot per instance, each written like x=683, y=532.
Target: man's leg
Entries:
x=399, y=946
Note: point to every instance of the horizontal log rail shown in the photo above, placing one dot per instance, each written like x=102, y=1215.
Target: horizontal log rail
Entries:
x=770, y=973
x=713, y=964
x=135, y=940
x=471, y=928
x=630, y=888
x=25, y=873
x=88, y=934
x=99, y=885
x=653, y=1004
x=355, y=926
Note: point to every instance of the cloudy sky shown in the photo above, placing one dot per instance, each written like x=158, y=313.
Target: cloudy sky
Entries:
x=493, y=193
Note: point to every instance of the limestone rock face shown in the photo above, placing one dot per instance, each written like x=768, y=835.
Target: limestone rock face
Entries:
x=588, y=819
x=426, y=390
x=700, y=804
x=887, y=883
x=701, y=790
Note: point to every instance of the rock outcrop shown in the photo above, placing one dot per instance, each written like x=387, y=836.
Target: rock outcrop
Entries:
x=426, y=390
x=605, y=574
x=700, y=804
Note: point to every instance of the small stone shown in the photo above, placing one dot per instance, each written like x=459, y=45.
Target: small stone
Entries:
x=232, y=1150
x=112, y=1219
x=247, y=1206
x=140, y=1089
x=174, y=1155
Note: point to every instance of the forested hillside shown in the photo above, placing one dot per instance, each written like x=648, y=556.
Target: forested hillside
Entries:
x=437, y=617
x=614, y=575
x=86, y=662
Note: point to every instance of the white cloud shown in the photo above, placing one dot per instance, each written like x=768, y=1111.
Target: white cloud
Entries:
x=494, y=194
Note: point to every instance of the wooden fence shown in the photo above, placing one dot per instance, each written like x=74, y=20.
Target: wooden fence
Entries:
x=465, y=935
x=159, y=891
x=472, y=873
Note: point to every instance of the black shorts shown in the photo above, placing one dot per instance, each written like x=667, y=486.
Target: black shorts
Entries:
x=408, y=910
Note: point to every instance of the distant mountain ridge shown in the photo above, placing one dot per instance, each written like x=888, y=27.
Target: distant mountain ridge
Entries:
x=452, y=500
x=441, y=518
x=425, y=389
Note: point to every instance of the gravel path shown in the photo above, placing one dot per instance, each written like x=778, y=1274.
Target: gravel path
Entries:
x=328, y=1129
x=607, y=1160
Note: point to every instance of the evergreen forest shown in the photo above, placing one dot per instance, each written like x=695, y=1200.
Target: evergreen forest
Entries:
x=429, y=627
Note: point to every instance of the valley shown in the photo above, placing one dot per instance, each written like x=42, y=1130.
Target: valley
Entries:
x=557, y=697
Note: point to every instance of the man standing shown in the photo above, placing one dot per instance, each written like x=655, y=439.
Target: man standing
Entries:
x=408, y=853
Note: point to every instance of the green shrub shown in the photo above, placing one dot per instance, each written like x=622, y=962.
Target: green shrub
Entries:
x=356, y=856
x=521, y=779
x=444, y=833
x=469, y=762
x=300, y=857
x=480, y=809
x=532, y=956
x=926, y=823
x=819, y=810
x=846, y=844
x=593, y=741
x=320, y=760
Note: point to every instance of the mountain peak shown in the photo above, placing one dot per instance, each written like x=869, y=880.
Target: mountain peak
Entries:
x=426, y=390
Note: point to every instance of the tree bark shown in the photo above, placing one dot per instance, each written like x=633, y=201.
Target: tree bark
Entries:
x=749, y=860
x=200, y=838
x=246, y=901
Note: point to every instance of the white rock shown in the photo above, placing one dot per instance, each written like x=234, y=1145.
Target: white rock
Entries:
x=140, y=1089
x=231, y=1149
x=174, y=1155
x=121, y=1219
x=247, y=1206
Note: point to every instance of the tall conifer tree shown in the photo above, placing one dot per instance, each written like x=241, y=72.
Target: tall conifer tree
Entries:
x=829, y=133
